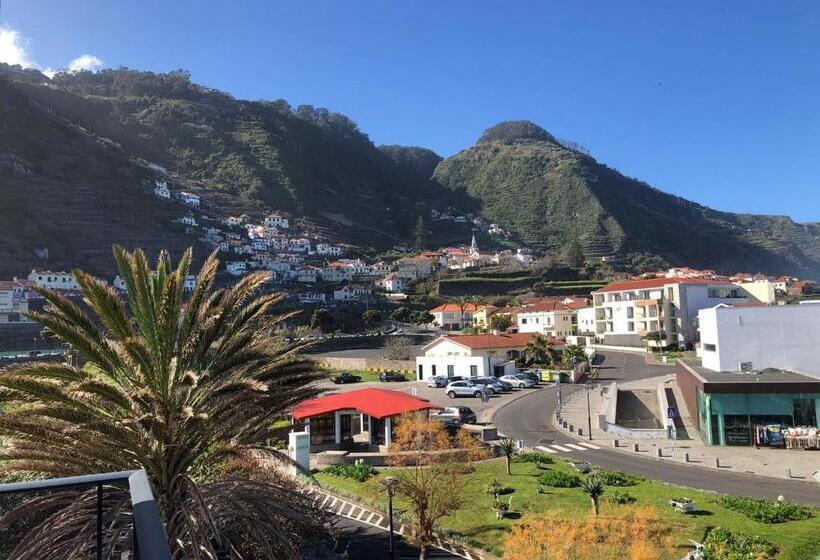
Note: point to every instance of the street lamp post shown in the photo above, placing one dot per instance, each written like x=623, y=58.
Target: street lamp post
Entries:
x=589, y=414
x=390, y=482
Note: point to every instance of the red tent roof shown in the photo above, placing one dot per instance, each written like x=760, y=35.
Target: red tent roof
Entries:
x=378, y=403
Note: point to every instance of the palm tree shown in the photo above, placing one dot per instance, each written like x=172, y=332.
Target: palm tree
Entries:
x=593, y=487
x=187, y=390
x=508, y=449
x=573, y=352
x=538, y=351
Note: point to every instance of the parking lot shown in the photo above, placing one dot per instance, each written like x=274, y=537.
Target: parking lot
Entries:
x=438, y=396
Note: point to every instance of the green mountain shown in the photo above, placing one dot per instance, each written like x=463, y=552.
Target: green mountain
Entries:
x=548, y=195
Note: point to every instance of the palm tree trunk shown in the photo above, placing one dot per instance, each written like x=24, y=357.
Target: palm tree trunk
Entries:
x=507, y=459
x=423, y=552
x=595, y=506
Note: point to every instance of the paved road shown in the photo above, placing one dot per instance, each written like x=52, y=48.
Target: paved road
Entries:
x=528, y=418
x=364, y=542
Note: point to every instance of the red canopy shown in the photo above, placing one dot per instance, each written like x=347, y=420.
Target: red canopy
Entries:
x=378, y=403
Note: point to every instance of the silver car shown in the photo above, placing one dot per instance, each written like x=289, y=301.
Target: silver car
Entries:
x=463, y=389
x=437, y=381
x=518, y=381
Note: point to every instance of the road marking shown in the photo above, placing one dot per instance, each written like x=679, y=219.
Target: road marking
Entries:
x=576, y=447
x=589, y=445
x=545, y=449
x=559, y=448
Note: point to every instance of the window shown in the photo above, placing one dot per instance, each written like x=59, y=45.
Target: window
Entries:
x=710, y=347
x=451, y=370
x=433, y=369
x=421, y=372
x=523, y=320
x=630, y=312
x=724, y=293
x=630, y=326
x=473, y=371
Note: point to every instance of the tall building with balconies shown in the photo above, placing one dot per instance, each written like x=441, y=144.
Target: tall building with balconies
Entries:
x=659, y=312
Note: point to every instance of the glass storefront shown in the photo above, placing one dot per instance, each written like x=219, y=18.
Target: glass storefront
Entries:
x=730, y=418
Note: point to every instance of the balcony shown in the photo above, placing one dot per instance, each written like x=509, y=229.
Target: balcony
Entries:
x=147, y=540
x=648, y=302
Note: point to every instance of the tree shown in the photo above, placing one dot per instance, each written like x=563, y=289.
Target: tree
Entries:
x=593, y=487
x=371, y=317
x=431, y=481
x=539, y=352
x=400, y=314
x=187, y=390
x=322, y=320
x=421, y=234
x=421, y=317
x=574, y=254
x=630, y=533
x=500, y=322
x=573, y=352
x=508, y=449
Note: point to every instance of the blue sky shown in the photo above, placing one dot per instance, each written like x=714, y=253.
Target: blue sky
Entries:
x=718, y=102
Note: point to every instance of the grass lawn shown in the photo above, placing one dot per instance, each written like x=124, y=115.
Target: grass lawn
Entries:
x=476, y=523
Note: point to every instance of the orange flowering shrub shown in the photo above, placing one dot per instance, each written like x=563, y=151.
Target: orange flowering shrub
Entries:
x=629, y=533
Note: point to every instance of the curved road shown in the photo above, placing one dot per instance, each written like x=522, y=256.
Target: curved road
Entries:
x=529, y=418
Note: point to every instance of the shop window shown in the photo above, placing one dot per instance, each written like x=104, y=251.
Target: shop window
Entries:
x=805, y=414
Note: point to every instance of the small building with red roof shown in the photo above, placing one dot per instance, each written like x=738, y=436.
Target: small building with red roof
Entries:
x=366, y=414
x=454, y=317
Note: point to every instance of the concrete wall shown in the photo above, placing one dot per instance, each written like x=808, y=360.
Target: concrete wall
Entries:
x=780, y=336
x=461, y=365
x=377, y=364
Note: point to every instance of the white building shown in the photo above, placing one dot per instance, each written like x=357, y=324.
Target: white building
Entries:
x=351, y=293
x=753, y=338
x=762, y=289
x=311, y=297
x=190, y=199
x=299, y=245
x=161, y=190
x=548, y=317
x=327, y=250
x=524, y=256
x=471, y=355
x=659, y=311
x=237, y=268
x=14, y=301
x=54, y=280
x=187, y=221
x=305, y=275
x=276, y=220
x=233, y=221
x=335, y=273
x=585, y=320
x=392, y=283
x=452, y=317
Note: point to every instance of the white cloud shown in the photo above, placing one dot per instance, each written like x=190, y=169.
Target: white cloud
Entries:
x=13, y=48
x=85, y=62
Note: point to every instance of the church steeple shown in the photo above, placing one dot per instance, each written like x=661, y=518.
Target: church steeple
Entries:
x=474, y=248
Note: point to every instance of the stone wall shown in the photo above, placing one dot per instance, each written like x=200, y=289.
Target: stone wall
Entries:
x=372, y=364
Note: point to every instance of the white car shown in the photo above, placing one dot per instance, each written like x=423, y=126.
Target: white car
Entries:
x=518, y=381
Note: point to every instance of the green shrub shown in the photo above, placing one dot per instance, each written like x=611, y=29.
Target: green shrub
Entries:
x=497, y=488
x=358, y=471
x=765, y=511
x=559, y=479
x=533, y=457
x=616, y=478
x=618, y=497
x=722, y=544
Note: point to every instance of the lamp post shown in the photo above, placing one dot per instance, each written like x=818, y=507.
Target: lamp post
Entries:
x=589, y=414
x=390, y=482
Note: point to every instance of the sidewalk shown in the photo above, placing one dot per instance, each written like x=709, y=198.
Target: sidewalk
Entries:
x=775, y=463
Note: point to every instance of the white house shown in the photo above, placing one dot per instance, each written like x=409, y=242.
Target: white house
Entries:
x=161, y=190
x=585, y=320
x=14, y=301
x=187, y=220
x=190, y=199
x=762, y=289
x=351, y=293
x=452, y=317
x=54, y=280
x=311, y=297
x=237, y=268
x=392, y=283
x=276, y=220
x=299, y=245
x=753, y=338
x=233, y=221
x=335, y=273
x=325, y=249
x=190, y=283
x=548, y=317
x=659, y=311
x=305, y=275
x=471, y=355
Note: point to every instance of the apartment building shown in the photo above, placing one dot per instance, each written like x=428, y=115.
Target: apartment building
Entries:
x=54, y=280
x=659, y=312
x=549, y=317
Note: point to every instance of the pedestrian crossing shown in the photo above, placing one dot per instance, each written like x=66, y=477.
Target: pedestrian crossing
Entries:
x=566, y=447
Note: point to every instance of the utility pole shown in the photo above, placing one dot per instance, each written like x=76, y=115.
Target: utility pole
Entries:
x=589, y=414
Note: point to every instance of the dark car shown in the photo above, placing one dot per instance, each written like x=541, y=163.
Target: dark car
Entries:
x=456, y=414
x=345, y=377
x=391, y=376
x=532, y=374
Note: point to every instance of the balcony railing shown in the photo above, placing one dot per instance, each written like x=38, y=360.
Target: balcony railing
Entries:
x=149, y=540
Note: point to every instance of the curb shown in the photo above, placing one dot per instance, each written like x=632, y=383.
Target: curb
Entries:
x=523, y=393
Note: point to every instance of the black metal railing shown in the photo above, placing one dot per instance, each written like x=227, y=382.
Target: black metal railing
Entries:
x=149, y=540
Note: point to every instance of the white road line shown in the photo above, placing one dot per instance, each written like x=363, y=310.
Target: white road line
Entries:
x=576, y=447
x=370, y=519
x=559, y=448
x=545, y=449
x=589, y=445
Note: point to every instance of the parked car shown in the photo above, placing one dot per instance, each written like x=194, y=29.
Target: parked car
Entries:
x=518, y=380
x=437, y=381
x=345, y=377
x=532, y=374
x=463, y=389
x=391, y=376
x=494, y=383
x=457, y=414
